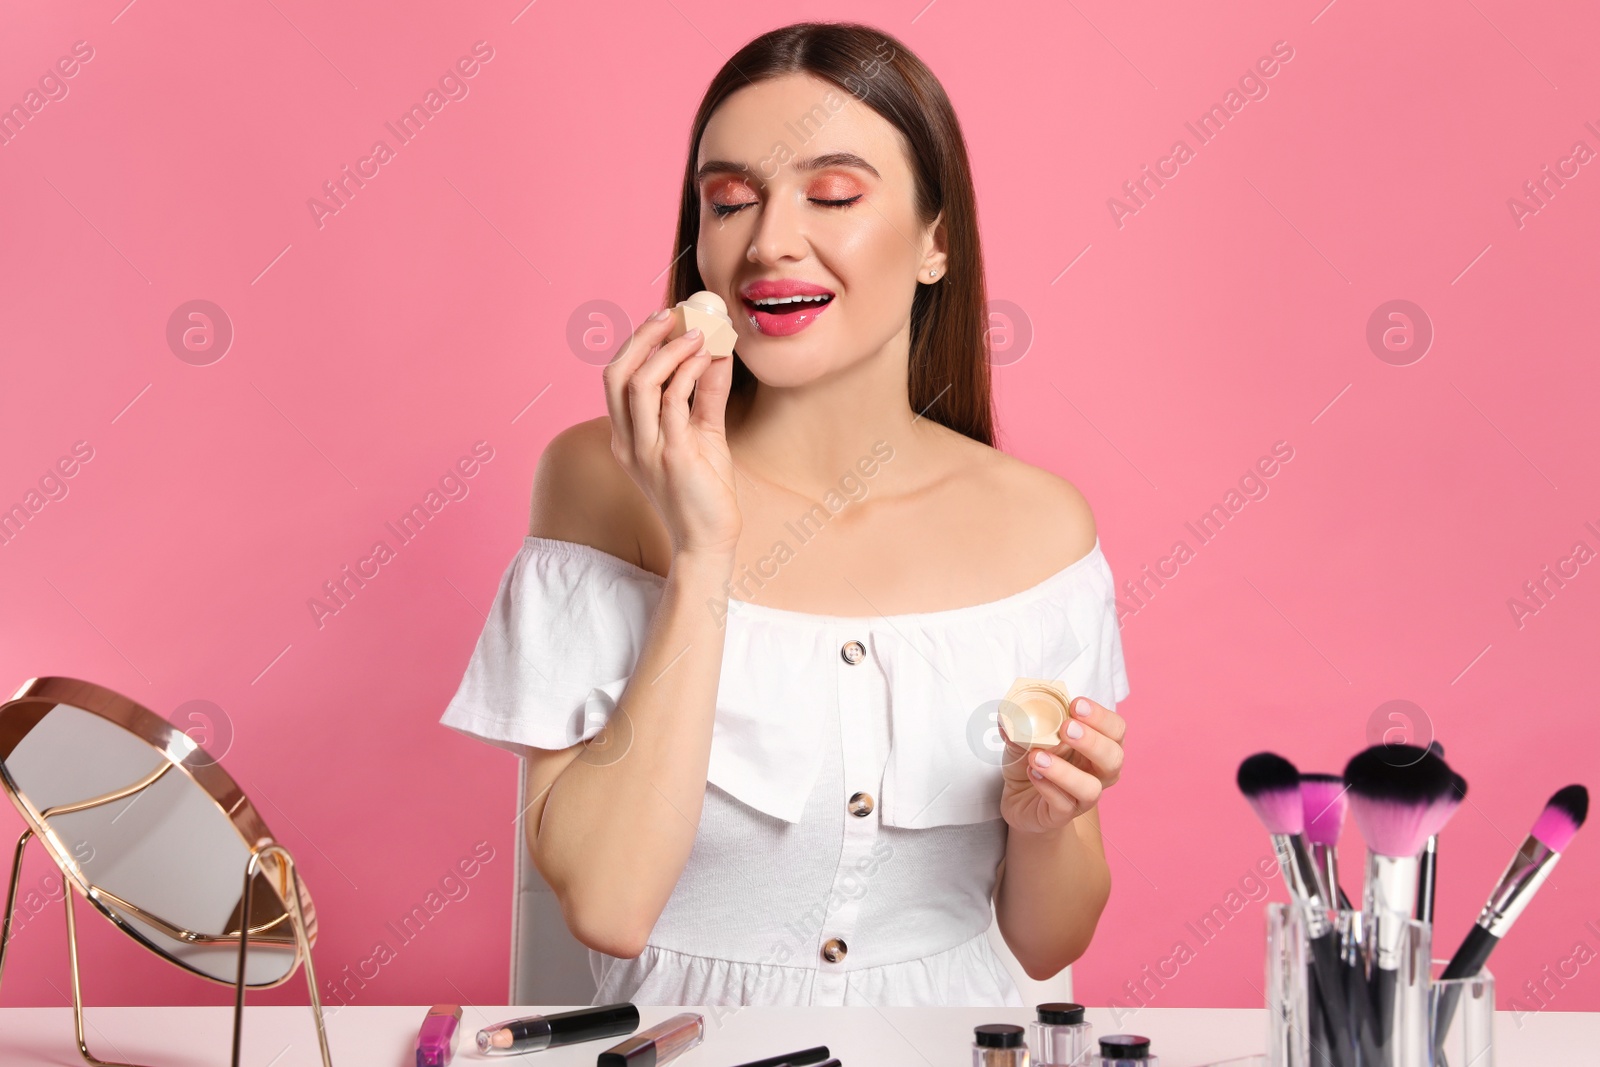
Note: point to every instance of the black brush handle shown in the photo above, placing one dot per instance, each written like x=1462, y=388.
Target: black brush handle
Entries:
x=1316, y=1018
x=1358, y=996
x=1472, y=955
x=1385, y=989
x=1330, y=1040
x=1328, y=994
x=1427, y=874
x=792, y=1059
x=1468, y=961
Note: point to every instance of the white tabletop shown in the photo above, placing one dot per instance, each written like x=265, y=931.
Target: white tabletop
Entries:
x=382, y=1036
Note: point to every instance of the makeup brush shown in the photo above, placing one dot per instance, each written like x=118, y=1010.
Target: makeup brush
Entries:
x=1427, y=872
x=1428, y=864
x=1323, y=798
x=1323, y=801
x=1400, y=795
x=1271, y=784
x=1554, y=830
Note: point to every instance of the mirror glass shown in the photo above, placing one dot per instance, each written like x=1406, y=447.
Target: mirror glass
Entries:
x=158, y=853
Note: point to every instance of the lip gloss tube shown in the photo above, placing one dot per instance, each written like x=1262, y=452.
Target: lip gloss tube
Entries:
x=436, y=1039
x=662, y=1043
x=536, y=1033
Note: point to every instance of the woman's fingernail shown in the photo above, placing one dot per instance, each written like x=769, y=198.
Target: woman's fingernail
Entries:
x=658, y=316
x=695, y=332
x=1041, y=759
x=1074, y=730
x=1081, y=708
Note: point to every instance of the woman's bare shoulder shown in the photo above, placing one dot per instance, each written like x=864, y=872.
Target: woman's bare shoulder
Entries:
x=582, y=494
x=1056, y=521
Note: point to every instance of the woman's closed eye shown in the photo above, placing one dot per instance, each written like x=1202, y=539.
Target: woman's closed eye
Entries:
x=724, y=210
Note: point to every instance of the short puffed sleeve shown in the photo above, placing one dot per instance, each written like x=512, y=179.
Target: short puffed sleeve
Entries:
x=562, y=638
x=1097, y=671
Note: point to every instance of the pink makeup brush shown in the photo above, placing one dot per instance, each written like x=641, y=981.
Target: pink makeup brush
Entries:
x=1272, y=786
x=1428, y=873
x=1551, y=834
x=1554, y=830
x=1323, y=800
x=1400, y=795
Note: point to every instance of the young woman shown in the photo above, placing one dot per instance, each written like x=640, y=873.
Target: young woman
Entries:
x=753, y=646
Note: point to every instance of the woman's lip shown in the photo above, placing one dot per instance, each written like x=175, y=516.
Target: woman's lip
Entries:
x=772, y=324
x=775, y=288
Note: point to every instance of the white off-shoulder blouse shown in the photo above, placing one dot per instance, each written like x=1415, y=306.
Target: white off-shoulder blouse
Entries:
x=851, y=830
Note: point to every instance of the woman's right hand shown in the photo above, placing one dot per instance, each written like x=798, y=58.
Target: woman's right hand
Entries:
x=678, y=457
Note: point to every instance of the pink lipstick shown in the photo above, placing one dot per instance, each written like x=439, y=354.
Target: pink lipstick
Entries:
x=782, y=307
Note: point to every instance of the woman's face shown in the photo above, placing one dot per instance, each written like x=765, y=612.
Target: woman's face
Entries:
x=801, y=183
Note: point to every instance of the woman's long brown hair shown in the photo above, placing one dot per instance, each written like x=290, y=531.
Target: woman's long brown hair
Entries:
x=949, y=364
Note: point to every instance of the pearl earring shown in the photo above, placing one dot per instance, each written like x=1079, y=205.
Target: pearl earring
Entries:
x=933, y=274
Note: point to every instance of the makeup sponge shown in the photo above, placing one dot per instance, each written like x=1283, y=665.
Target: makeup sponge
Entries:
x=707, y=312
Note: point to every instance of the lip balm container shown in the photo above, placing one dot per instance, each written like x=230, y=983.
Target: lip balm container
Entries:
x=1125, y=1050
x=1061, y=1037
x=999, y=1045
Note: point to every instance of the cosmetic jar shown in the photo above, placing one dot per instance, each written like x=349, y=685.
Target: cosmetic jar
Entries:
x=1034, y=711
x=1125, y=1050
x=1060, y=1036
x=999, y=1045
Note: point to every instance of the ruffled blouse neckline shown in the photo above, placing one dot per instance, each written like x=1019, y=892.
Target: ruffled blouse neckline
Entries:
x=917, y=618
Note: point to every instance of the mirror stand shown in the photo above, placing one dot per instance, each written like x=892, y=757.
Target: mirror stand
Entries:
x=252, y=869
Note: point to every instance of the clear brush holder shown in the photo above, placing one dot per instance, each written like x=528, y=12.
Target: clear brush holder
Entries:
x=1461, y=1014
x=1344, y=990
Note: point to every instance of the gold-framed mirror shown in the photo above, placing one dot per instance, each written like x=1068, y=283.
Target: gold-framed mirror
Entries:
x=158, y=838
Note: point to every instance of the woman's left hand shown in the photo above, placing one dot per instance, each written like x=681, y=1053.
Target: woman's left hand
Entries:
x=1046, y=788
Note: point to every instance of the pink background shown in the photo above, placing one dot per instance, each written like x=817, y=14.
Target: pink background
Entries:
x=1227, y=314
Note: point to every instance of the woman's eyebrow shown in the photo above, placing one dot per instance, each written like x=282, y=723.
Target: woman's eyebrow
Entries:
x=827, y=160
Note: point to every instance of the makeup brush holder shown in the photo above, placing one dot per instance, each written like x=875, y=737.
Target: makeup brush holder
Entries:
x=1363, y=994
x=1461, y=1013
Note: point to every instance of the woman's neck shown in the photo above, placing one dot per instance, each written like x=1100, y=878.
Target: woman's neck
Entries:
x=806, y=443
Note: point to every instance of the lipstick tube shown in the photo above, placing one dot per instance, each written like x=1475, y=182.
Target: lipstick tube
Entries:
x=536, y=1033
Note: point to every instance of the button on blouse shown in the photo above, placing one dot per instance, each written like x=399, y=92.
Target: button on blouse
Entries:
x=851, y=828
